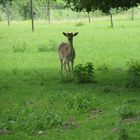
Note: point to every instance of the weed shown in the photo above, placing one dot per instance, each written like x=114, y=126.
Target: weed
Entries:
x=107, y=89
x=81, y=103
x=125, y=112
x=103, y=68
x=27, y=118
x=86, y=103
x=50, y=47
x=42, y=48
x=15, y=71
x=42, y=78
x=123, y=134
x=4, y=88
x=79, y=24
x=19, y=48
x=122, y=131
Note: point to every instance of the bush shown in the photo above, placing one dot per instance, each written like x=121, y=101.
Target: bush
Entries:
x=133, y=74
x=85, y=73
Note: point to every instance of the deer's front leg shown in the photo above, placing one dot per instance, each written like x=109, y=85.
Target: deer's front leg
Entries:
x=69, y=67
x=72, y=63
x=61, y=67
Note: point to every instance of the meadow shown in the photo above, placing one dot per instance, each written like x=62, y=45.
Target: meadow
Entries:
x=36, y=104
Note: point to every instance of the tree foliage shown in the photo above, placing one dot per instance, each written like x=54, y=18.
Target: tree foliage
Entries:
x=104, y=5
x=3, y=2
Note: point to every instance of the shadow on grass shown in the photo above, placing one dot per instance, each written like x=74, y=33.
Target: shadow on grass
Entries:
x=42, y=89
x=50, y=79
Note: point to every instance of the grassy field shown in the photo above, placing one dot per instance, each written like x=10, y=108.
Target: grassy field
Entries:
x=36, y=104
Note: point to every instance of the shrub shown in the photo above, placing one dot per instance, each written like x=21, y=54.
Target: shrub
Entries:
x=85, y=73
x=133, y=74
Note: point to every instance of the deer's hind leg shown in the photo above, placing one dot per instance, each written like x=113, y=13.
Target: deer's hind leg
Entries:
x=65, y=68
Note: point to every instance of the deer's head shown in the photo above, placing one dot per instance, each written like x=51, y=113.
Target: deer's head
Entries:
x=70, y=36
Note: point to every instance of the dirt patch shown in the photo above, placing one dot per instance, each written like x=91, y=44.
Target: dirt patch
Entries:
x=95, y=113
x=4, y=132
x=132, y=101
x=40, y=133
x=132, y=120
x=70, y=124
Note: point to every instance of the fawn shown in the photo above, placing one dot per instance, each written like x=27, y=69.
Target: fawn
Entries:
x=67, y=54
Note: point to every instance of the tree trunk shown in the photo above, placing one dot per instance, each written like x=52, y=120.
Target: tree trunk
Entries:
x=25, y=13
x=132, y=14
x=8, y=13
x=48, y=11
x=89, y=18
x=111, y=18
x=32, y=16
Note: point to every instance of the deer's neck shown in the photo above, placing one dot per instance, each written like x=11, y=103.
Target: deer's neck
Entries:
x=71, y=43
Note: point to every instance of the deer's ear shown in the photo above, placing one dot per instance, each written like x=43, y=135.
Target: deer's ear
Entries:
x=65, y=34
x=75, y=34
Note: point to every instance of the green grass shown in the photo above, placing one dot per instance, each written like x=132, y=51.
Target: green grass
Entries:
x=30, y=81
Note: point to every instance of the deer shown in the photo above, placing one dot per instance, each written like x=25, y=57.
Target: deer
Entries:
x=67, y=54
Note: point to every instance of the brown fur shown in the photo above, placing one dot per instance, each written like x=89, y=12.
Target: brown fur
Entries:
x=67, y=53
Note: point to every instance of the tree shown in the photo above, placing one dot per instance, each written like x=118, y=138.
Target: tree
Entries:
x=105, y=6
x=4, y=2
x=82, y=5
x=7, y=8
x=89, y=18
x=32, y=15
x=47, y=4
x=48, y=10
x=23, y=7
x=7, y=5
x=132, y=14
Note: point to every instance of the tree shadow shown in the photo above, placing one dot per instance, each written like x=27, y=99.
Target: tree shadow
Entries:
x=50, y=79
